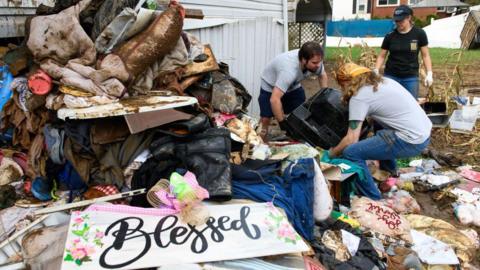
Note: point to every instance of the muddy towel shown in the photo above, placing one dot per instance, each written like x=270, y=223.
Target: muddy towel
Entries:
x=60, y=37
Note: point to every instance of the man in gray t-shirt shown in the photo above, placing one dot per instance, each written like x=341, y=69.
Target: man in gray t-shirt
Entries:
x=281, y=91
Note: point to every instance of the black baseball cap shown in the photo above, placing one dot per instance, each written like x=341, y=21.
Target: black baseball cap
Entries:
x=401, y=12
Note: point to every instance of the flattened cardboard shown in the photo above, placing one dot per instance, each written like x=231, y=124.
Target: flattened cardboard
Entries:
x=143, y=121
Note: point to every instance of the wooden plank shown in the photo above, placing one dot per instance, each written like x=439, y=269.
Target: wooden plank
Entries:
x=209, y=65
x=192, y=13
x=127, y=106
x=142, y=121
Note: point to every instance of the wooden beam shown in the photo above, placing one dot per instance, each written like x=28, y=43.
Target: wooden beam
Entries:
x=192, y=13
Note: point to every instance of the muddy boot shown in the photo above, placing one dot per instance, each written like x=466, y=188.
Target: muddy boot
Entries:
x=207, y=155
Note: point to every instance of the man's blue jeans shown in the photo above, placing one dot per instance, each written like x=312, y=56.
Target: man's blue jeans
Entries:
x=384, y=146
x=409, y=83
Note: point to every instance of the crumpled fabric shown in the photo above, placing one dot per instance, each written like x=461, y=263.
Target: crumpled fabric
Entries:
x=20, y=84
x=40, y=252
x=244, y=130
x=116, y=31
x=177, y=57
x=26, y=124
x=379, y=218
x=37, y=157
x=445, y=232
x=125, y=25
x=81, y=77
x=107, y=12
x=170, y=81
x=403, y=258
x=65, y=52
x=10, y=171
x=119, y=155
x=73, y=102
x=8, y=196
x=156, y=41
x=54, y=101
x=366, y=257
x=294, y=151
x=293, y=192
x=61, y=38
x=333, y=241
x=402, y=202
x=54, y=139
x=82, y=162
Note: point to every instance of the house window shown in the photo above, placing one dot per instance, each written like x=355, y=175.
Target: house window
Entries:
x=413, y=2
x=361, y=9
x=441, y=9
x=362, y=6
x=387, y=3
x=451, y=9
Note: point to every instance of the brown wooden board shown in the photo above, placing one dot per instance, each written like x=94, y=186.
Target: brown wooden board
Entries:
x=209, y=65
x=192, y=13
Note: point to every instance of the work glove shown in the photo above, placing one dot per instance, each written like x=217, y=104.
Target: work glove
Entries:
x=429, y=79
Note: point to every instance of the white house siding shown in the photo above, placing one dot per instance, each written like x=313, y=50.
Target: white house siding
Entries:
x=246, y=46
x=342, y=10
x=253, y=33
x=13, y=15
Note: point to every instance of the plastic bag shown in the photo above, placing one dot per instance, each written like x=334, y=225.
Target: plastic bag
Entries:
x=402, y=202
x=379, y=218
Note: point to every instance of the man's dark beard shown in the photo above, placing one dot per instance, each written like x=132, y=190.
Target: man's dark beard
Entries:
x=305, y=69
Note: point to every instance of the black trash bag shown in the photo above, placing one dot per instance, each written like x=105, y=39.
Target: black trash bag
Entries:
x=228, y=94
x=207, y=155
x=366, y=257
x=148, y=175
x=185, y=128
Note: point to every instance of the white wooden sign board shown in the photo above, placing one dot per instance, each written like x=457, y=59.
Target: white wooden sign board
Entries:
x=127, y=106
x=112, y=239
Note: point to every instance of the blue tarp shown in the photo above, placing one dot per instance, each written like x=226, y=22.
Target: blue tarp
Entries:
x=360, y=28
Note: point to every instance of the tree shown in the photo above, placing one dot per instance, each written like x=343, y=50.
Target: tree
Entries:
x=472, y=2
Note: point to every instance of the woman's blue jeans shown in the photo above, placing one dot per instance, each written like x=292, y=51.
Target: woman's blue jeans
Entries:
x=409, y=83
x=385, y=146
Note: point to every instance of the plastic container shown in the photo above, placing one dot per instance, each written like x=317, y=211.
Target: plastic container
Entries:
x=322, y=120
x=470, y=112
x=40, y=83
x=439, y=120
x=435, y=107
x=457, y=121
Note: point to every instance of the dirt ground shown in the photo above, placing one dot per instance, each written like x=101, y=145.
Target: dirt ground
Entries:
x=463, y=148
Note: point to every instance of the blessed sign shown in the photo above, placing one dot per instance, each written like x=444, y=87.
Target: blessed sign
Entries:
x=127, y=237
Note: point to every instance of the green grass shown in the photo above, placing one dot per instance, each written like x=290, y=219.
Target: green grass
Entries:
x=439, y=55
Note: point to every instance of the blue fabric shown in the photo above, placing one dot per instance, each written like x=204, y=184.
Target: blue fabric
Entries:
x=409, y=83
x=384, y=146
x=41, y=188
x=290, y=101
x=354, y=167
x=70, y=178
x=293, y=192
x=360, y=28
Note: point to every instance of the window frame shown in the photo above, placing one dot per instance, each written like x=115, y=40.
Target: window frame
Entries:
x=388, y=5
x=441, y=9
x=410, y=2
